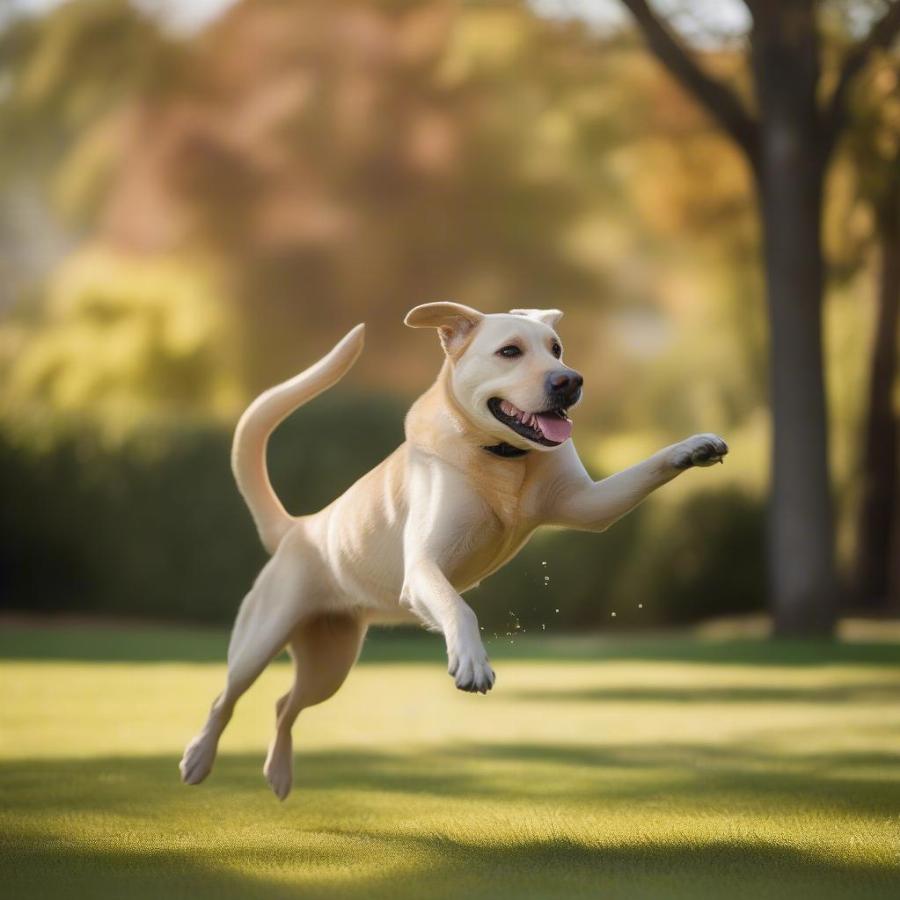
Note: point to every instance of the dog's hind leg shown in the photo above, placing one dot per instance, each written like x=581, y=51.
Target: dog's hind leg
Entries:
x=281, y=597
x=324, y=649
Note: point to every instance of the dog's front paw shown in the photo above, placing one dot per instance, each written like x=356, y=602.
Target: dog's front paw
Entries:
x=699, y=450
x=471, y=671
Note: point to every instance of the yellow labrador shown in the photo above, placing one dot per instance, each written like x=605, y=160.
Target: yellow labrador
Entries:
x=487, y=460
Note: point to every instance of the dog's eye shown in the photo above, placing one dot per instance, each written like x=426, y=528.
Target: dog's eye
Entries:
x=556, y=350
x=509, y=351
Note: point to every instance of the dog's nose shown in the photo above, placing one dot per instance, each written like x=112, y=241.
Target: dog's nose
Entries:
x=564, y=385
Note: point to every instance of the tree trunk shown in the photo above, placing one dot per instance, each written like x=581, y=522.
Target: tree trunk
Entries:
x=788, y=145
x=878, y=509
x=894, y=561
x=790, y=170
x=803, y=587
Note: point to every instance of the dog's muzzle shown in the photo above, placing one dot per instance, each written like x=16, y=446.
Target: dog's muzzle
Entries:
x=549, y=427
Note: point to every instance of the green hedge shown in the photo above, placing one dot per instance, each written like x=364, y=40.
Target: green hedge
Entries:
x=163, y=533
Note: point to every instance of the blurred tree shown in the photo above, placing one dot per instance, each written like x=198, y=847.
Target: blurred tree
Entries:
x=874, y=146
x=362, y=156
x=693, y=201
x=123, y=344
x=331, y=161
x=322, y=163
x=788, y=144
x=550, y=151
x=67, y=78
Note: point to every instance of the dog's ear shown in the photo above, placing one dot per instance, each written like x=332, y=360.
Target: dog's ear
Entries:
x=547, y=316
x=453, y=321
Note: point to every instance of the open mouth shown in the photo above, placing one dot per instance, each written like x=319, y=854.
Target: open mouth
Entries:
x=550, y=427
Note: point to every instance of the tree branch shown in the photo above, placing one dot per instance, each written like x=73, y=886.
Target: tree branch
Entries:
x=716, y=98
x=881, y=36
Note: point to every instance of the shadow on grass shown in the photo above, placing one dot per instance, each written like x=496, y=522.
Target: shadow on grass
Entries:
x=443, y=868
x=690, y=774
x=865, y=692
x=364, y=825
x=140, y=643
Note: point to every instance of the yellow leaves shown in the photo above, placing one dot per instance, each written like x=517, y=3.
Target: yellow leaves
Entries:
x=47, y=67
x=84, y=174
x=554, y=136
x=693, y=184
x=847, y=221
x=482, y=40
x=595, y=241
x=423, y=31
x=82, y=54
x=122, y=343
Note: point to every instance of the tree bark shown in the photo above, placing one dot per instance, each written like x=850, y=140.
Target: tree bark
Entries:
x=894, y=561
x=802, y=580
x=878, y=513
x=790, y=179
x=788, y=146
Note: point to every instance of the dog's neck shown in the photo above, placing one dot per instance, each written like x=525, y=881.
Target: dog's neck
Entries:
x=503, y=449
x=438, y=423
x=506, y=451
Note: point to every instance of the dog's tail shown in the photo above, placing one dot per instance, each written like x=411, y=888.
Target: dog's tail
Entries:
x=265, y=413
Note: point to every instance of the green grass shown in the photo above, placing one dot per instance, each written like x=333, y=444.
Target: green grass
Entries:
x=653, y=768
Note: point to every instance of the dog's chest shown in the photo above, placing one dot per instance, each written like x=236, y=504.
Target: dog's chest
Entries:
x=505, y=521
x=483, y=549
x=507, y=491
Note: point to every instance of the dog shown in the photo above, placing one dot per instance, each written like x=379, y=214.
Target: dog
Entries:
x=487, y=460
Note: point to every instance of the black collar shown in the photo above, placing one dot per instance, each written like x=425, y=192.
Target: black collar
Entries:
x=507, y=451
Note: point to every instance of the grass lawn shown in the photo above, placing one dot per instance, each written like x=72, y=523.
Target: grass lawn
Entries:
x=667, y=768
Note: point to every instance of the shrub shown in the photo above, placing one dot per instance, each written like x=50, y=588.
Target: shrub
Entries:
x=157, y=529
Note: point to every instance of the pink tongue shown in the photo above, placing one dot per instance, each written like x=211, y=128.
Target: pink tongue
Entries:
x=555, y=429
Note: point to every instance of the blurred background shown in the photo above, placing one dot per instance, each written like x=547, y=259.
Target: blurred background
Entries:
x=197, y=200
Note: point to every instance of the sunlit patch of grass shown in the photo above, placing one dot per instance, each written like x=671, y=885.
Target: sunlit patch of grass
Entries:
x=667, y=768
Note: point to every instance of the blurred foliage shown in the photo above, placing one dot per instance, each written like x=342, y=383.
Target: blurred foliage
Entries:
x=874, y=143
x=448, y=150
x=207, y=212
x=437, y=153
x=699, y=557
x=155, y=526
x=164, y=534
x=68, y=77
x=121, y=344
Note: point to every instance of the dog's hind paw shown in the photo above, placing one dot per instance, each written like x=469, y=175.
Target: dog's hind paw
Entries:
x=198, y=759
x=472, y=674
x=279, y=768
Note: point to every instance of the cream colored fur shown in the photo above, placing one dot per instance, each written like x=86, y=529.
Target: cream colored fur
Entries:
x=409, y=538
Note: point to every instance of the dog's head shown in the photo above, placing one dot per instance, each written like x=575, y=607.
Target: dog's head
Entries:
x=506, y=371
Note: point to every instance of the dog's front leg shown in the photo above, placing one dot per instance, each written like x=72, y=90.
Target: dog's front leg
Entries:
x=427, y=593
x=579, y=502
x=444, y=514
